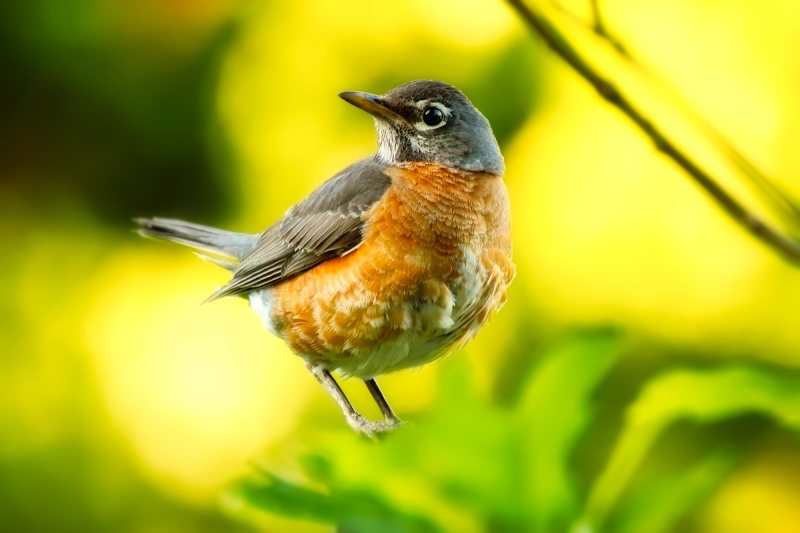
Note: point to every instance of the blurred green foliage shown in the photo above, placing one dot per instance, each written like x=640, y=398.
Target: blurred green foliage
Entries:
x=470, y=462
x=97, y=112
x=474, y=465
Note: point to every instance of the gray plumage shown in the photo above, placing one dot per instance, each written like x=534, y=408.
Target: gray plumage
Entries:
x=328, y=223
x=464, y=140
x=230, y=245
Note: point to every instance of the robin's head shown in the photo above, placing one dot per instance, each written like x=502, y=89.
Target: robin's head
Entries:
x=433, y=122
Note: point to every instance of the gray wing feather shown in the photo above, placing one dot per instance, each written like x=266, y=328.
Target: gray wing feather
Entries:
x=327, y=224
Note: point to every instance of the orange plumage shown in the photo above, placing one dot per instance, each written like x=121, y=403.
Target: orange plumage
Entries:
x=434, y=263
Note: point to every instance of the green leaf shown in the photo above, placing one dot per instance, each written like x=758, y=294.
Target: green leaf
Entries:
x=553, y=415
x=352, y=511
x=656, y=506
x=704, y=396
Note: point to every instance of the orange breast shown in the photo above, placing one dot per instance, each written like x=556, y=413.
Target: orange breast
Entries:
x=434, y=263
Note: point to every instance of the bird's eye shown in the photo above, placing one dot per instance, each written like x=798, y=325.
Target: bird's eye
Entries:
x=433, y=116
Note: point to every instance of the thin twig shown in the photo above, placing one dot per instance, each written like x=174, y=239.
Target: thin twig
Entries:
x=599, y=27
x=767, y=234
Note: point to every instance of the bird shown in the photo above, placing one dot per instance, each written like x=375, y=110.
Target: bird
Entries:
x=393, y=262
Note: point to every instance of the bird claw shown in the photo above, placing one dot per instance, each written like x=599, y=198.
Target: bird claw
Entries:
x=371, y=428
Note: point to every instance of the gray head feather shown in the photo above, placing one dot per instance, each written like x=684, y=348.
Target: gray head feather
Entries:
x=439, y=125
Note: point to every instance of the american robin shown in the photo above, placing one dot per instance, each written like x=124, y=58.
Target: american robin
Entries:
x=391, y=263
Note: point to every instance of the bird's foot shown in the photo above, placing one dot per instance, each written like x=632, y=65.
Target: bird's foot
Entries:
x=357, y=421
x=371, y=428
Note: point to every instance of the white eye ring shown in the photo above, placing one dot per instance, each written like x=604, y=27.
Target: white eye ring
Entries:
x=425, y=104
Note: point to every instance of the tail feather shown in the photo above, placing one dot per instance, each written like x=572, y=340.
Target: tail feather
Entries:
x=207, y=240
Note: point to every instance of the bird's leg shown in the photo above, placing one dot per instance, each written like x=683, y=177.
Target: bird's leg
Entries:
x=353, y=417
x=379, y=398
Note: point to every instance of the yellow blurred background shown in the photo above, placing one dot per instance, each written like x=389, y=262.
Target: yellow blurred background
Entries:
x=127, y=406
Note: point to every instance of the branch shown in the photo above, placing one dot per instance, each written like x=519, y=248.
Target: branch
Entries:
x=772, y=237
x=785, y=207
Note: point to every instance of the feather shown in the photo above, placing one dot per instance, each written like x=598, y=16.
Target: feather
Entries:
x=327, y=224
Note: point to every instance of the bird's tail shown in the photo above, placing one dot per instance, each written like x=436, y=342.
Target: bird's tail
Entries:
x=221, y=247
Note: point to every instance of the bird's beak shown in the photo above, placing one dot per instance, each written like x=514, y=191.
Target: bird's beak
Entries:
x=372, y=104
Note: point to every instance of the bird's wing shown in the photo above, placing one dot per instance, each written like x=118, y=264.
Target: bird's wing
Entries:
x=327, y=224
